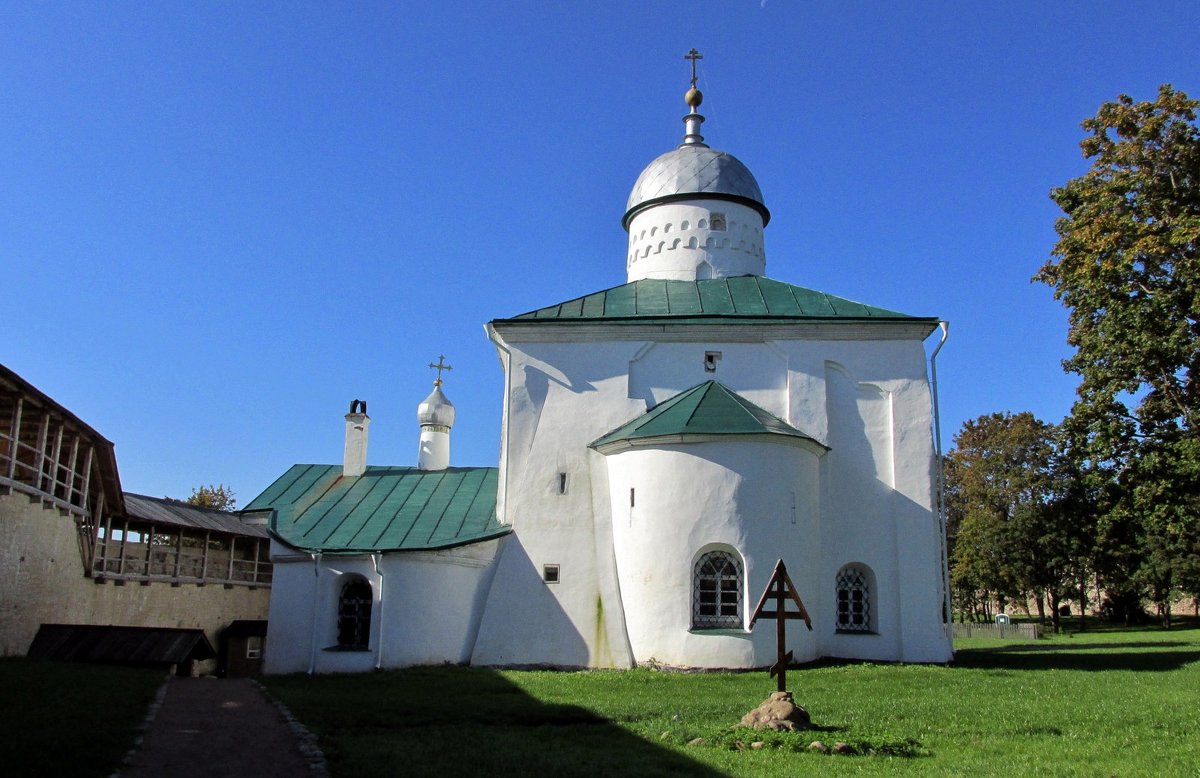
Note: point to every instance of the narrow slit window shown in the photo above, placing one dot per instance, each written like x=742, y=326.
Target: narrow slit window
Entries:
x=562, y=483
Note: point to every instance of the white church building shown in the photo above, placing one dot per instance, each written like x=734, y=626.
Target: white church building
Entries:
x=663, y=443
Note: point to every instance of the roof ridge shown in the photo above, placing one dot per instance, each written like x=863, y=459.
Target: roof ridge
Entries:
x=704, y=388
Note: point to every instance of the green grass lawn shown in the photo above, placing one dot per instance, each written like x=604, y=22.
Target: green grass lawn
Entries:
x=1105, y=702
x=60, y=719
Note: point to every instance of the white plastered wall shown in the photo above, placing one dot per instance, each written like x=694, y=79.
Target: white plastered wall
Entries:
x=426, y=607
x=757, y=496
x=565, y=388
x=677, y=241
x=557, y=400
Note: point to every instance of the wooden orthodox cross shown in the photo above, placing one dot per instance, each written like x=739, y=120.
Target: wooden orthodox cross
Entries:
x=781, y=588
x=440, y=366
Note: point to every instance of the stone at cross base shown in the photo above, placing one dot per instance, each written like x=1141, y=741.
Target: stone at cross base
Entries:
x=779, y=713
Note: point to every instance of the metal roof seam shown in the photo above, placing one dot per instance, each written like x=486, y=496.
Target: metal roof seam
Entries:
x=699, y=401
x=379, y=507
x=290, y=484
x=467, y=513
x=320, y=472
x=373, y=491
x=335, y=496
x=422, y=510
x=338, y=524
x=329, y=486
x=446, y=506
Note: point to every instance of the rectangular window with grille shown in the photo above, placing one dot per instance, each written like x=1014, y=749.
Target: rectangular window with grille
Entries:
x=717, y=592
x=853, y=601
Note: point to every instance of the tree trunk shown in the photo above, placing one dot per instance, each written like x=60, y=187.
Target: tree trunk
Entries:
x=1041, y=603
x=1082, y=602
x=1054, y=616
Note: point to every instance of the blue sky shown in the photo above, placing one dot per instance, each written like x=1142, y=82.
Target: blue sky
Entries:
x=222, y=221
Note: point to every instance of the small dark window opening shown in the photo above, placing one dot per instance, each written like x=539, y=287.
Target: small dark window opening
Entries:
x=550, y=574
x=354, y=614
x=711, y=358
x=562, y=483
x=718, y=222
x=631, y=500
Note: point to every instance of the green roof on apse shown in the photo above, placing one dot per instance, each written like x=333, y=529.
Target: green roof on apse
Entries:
x=740, y=297
x=316, y=508
x=708, y=409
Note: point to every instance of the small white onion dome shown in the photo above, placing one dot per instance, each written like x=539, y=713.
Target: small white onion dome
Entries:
x=692, y=172
x=436, y=410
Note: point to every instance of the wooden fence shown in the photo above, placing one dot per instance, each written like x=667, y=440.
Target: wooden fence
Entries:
x=1000, y=631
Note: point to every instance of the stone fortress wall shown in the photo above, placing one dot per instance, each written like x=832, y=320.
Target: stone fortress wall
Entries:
x=42, y=580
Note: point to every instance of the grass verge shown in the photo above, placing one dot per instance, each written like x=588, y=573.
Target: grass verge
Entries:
x=1113, y=702
x=61, y=719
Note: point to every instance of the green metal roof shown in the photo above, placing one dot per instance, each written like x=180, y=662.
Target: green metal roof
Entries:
x=315, y=508
x=741, y=297
x=708, y=409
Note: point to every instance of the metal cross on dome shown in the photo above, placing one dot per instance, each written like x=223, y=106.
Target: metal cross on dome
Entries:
x=693, y=55
x=440, y=366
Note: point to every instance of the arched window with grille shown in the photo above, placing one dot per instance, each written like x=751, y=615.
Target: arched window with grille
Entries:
x=854, y=599
x=354, y=614
x=717, y=591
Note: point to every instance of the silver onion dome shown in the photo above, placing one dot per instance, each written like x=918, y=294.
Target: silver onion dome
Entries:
x=694, y=171
x=436, y=410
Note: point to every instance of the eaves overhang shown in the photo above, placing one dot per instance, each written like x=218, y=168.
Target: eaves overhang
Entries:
x=678, y=439
x=749, y=202
x=724, y=329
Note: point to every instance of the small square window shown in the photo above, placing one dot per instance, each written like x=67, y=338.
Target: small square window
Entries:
x=550, y=574
x=718, y=222
x=711, y=358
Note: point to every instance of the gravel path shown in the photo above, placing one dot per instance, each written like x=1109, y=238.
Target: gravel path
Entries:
x=212, y=728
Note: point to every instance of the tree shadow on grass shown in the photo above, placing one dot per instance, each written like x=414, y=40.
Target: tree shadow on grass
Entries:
x=455, y=720
x=1145, y=656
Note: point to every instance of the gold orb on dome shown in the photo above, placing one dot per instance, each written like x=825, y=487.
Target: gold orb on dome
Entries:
x=693, y=97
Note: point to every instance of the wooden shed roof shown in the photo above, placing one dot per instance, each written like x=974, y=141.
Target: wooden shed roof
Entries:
x=165, y=511
x=101, y=644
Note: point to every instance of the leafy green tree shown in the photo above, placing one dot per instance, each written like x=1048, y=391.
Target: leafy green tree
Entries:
x=1126, y=267
x=219, y=497
x=1020, y=524
x=1056, y=540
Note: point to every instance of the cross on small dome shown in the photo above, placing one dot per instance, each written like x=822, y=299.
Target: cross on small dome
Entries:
x=440, y=366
